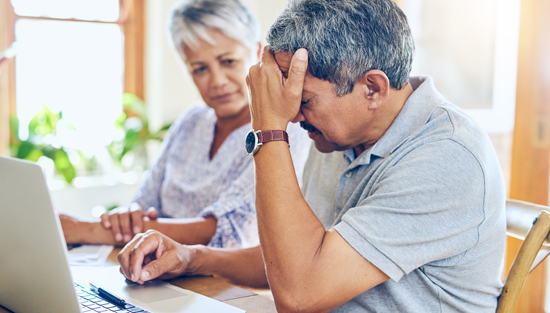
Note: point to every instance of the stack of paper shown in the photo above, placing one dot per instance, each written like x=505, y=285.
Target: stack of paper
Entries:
x=89, y=255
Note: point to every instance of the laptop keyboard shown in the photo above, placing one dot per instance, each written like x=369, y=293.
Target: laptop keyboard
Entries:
x=91, y=302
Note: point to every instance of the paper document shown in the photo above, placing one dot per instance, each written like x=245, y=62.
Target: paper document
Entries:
x=89, y=255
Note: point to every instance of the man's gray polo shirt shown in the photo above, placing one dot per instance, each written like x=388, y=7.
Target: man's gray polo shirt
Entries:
x=425, y=205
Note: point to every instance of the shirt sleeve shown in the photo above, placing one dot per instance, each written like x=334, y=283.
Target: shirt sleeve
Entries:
x=235, y=209
x=427, y=207
x=235, y=213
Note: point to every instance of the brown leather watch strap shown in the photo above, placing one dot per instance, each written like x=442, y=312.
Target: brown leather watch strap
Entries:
x=272, y=135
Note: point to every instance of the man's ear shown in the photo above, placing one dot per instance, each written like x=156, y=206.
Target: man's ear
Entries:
x=376, y=88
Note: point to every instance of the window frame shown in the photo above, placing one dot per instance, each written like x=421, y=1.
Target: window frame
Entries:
x=132, y=23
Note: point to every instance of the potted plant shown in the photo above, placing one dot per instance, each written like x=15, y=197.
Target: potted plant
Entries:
x=43, y=129
x=44, y=140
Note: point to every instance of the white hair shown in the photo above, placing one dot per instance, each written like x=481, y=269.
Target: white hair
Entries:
x=191, y=20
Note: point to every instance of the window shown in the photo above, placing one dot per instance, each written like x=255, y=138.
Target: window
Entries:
x=73, y=67
x=77, y=57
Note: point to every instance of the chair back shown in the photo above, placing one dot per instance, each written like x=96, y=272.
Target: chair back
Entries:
x=531, y=223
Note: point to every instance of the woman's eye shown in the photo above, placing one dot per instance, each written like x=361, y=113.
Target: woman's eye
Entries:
x=228, y=62
x=199, y=70
x=304, y=102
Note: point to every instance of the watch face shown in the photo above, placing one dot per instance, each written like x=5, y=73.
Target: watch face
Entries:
x=250, y=142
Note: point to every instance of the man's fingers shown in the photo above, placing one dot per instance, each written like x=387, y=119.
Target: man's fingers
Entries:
x=147, y=245
x=268, y=59
x=265, y=54
x=297, y=71
x=157, y=268
x=124, y=256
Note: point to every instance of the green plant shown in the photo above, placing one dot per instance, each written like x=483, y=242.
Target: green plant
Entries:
x=135, y=123
x=42, y=132
x=44, y=140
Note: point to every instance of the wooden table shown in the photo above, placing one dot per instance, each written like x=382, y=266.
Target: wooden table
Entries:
x=215, y=288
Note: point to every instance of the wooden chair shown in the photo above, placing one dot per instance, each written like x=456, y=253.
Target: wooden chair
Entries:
x=530, y=223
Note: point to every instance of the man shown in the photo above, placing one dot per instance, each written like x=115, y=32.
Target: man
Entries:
x=402, y=207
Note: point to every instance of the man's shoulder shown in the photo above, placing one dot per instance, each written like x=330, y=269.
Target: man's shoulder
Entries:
x=450, y=122
x=453, y=142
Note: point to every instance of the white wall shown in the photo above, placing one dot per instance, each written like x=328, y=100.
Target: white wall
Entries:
x=169, y=89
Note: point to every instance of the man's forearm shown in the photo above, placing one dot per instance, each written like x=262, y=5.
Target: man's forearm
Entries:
x=290, y=233
x=239, y=266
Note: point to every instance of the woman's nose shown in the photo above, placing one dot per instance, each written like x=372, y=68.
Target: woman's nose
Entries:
x=219, y=78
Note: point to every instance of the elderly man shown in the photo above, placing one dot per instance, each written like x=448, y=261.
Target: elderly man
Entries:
x=402, y=207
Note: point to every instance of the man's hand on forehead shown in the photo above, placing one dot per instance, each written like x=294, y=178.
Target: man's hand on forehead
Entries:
x=283, y=59
x=275, y=88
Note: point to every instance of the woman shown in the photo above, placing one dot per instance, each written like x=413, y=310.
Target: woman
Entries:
x=203, y=179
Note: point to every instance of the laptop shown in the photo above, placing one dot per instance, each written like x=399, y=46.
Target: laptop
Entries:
x=34, y=271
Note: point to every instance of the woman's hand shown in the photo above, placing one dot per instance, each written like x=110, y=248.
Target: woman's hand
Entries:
x=74, y=229
x=125, y=222
x=153, y=255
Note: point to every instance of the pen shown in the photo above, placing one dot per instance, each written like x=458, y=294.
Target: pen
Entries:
x=108, y=296
x=71, y=246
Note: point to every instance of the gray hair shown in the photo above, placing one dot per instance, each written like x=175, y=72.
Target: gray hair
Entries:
x=192, y=19
x=347, y=38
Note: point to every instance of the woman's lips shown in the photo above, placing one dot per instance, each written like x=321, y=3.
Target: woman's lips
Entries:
x=225, y=97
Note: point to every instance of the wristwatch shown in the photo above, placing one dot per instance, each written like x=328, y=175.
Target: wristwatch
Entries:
x=255, y=139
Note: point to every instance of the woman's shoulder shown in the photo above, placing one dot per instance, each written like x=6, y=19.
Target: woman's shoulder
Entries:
x=193, y=117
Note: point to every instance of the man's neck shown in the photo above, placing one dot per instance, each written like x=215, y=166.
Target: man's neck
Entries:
x=385, y=116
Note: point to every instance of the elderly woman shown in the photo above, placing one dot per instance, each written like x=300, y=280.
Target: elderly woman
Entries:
x=203, y=180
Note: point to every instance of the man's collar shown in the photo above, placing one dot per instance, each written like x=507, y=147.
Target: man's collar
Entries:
x=415, y=113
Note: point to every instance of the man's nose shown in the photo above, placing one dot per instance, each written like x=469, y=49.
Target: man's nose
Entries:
x=299, y=117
